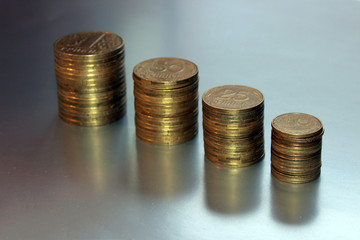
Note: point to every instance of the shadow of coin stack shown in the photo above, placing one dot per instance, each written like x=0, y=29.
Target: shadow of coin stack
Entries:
x=90, y=77
x=166, y=100
x=296, y=147
x=233, y=122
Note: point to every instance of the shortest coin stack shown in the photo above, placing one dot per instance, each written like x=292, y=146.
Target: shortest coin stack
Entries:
x=296, y=147
x=233, y=122
x=90, y=76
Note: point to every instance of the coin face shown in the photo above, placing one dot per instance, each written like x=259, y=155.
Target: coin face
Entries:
x=165, y=70
x=233, y=97
x=297, y=124
x=89, y=43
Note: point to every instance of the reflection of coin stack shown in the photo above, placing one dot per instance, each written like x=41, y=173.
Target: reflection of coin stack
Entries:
x=165, y=171
x=91, y=155
x=233, y=118
x=90, y=76
x=296, y=147
x=232, y=190
x=166, y=100
x=294, y=203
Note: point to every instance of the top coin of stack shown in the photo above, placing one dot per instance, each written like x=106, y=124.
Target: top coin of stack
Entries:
x=166, y=100
x=296, y=147
x=90, y=76
x=233, y=122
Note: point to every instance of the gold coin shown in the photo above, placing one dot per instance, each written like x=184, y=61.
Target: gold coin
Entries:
x=165, y=70
x=85, y=45
x=158, y=86
x=237, y=162
x=294, y=178
x=85, y=87
x=233, y=97
x=117, y=59
x=297, y=125
x=167, y=139
x=167, y=92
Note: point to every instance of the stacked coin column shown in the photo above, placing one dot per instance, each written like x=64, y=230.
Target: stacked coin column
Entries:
x=90, y=77
x=296, y=147
x=233, y=125
x=166, y=100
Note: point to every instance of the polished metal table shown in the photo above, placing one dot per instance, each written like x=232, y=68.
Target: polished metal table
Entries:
x=58, y=181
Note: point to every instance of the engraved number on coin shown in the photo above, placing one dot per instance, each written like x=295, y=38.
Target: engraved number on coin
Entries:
x=164, y=66
x=299, y=123
x=230, y=97
x=79, y=43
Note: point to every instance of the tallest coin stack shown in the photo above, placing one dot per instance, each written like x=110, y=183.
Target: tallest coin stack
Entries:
x=90, y=76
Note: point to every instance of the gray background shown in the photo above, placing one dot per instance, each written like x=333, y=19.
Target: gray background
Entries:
x=58, y=181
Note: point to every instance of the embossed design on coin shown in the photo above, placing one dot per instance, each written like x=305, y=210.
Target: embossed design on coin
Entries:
x=233, y=97
x=165, y=69
x=89, y=43
x=297, y=124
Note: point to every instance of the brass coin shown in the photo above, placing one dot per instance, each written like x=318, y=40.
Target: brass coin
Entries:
x=294, y=178
x=85, y=45
x=107, y=62
x=85, y=87
x=165, y=70
x=236, y=162
x=233, y=97
x=158, y=86
x=167, y=139
x=90, y=122
x=297, y=125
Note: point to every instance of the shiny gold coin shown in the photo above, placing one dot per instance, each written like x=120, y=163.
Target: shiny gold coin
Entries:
x=117, y=59
x=158, y=86
x=87, y=45
x=234, y=162
x=148, y=90
x=90, y=122
x=294, y=178
x=233, y=97
x=299, y=125
x=166, y=70
x=167, y=139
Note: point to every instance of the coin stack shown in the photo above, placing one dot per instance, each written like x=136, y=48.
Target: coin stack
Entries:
x=233, y=122
x=166, y=100
x=90, y=77
x=296, y=147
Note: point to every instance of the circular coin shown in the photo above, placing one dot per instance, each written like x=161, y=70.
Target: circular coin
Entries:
x=297, y=124
x=85, y=44
x=233, y=97
x=166, y=70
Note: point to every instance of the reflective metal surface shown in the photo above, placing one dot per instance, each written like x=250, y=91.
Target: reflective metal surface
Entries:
x=59, y=181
